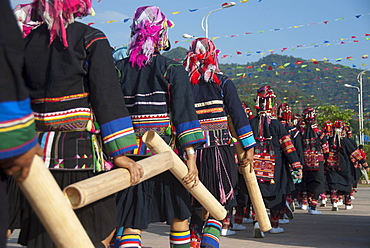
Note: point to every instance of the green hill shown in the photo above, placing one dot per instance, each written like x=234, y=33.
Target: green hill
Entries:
x=296, y=81
x=177, y=53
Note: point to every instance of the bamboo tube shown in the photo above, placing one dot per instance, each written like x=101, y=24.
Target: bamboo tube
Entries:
x=252, y=185
x=90, y=190
x=53, y=210
x=179, y=170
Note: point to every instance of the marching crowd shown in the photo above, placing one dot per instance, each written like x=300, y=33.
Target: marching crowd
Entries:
x=65, y=99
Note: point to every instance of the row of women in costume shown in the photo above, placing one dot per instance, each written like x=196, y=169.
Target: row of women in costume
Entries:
x=341, y=160
x=330, y=158
x=86, y=117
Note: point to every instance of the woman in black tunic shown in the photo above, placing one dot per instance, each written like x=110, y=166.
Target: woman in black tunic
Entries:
x=340, y=166
x=216, y=99
x=158, y=96
x=315, y=146
x=274, y=145
x=79, y=110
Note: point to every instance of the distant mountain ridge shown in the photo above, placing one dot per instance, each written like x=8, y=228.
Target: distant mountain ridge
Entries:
x=295, y=81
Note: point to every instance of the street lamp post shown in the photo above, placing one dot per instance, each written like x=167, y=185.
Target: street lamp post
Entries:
x=359, y=79
x=205, y=18
x=360, y=127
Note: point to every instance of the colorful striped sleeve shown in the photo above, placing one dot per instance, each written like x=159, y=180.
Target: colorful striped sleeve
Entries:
x=189, y=133
x=245, y=135
x=118, y=136
x=233, y=107
x=17, y=128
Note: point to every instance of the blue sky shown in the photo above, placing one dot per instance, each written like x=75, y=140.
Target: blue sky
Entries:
x=295, y=26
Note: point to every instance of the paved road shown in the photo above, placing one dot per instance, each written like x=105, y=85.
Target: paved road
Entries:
x=345, y=228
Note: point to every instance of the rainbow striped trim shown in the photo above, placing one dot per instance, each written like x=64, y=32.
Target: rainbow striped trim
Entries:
x=189, y=133
x=212, y=102
x=72, y=119
x=210, y=110
x=130, y=241
x=245, y=135
x=157, y=122
x=180, y=237
x=118, y=136
x=17, y=128
x=11, y=125
x=286, y=144
x=60, y=99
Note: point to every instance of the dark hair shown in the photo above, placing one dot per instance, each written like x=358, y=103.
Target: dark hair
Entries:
x=360, y=146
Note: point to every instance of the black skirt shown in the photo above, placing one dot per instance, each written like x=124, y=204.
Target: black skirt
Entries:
x=98, y=218
x=3, y=209
x=15, y=206
x=315, y=180
x=158, y=199
x=219, y=173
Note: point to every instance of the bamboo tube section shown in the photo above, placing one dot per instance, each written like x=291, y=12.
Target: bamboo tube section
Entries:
x=180, y=170
x=52, y=208
x=90, y=190
x=252, y=185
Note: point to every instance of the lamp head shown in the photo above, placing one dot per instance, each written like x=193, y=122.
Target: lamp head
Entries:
x=188, y=36
x=228, y=5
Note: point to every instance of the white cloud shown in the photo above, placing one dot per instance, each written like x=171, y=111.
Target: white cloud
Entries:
x=108, y=15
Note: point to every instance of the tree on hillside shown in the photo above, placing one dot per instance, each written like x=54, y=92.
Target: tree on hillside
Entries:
x=333, y=113
x=178, y=53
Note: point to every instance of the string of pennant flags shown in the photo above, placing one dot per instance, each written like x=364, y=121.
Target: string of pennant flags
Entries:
x=325, y=43
x=326, y=22
x=281, y=69
x=346, y=99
